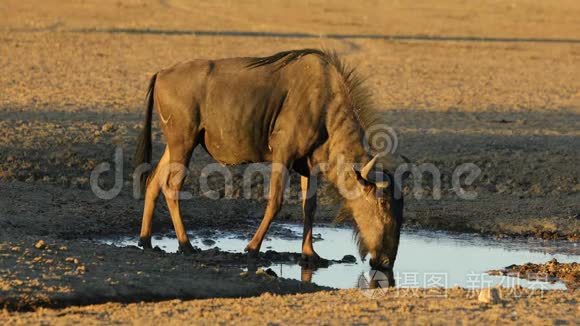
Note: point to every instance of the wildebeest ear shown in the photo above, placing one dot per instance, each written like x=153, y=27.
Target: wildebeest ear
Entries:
x=403, y=160
x=374, y=181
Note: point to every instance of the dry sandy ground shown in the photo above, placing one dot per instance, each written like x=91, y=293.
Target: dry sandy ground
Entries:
x=408, y=307
x=504, y=94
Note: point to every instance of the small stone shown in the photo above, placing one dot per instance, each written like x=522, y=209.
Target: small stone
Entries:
x=270, y=272
x=489, y=295
x=266, y=272
x=208, y=242
x=350, y=259
x=107, y=127
x=260, y=271
x=72, y=260
x=40, y=244
x=536, y=189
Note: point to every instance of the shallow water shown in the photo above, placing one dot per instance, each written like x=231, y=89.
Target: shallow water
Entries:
x=425, y=259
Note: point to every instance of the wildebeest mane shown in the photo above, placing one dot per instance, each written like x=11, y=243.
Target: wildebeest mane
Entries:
x=358, y=94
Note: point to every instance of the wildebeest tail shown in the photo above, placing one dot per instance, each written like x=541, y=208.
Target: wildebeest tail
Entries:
x=144, y=147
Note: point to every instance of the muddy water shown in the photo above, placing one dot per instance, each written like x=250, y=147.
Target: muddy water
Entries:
x=425, y=259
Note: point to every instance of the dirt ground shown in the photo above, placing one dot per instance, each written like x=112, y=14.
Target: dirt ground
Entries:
x=408, y=307
x=494, y=84
x=567, y=272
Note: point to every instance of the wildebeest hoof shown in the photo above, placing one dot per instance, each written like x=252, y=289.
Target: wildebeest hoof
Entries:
x=310, y=258
x=313, y=261
x=145, y=243
x=186, y=249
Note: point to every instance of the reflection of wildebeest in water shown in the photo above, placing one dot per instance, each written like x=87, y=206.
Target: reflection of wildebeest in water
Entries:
x=297, y=109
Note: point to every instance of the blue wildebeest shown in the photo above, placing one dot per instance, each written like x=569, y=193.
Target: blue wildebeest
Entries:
x=297, y=109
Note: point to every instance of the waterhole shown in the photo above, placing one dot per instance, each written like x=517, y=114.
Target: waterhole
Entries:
x=425, y=258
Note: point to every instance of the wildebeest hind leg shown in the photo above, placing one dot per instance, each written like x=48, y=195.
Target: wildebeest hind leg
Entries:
x=151, y=194
x=174, y=177
x=277, y=184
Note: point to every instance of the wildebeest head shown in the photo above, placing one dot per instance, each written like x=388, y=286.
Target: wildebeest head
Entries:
x=378, y=210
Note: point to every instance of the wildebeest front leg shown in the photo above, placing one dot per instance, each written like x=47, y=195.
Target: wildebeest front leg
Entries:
x=308, y=208
x=277, y=184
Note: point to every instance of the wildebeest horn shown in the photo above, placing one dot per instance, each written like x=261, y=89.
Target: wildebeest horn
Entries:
x=370, y=174
x=366, y=171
